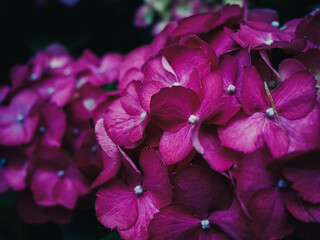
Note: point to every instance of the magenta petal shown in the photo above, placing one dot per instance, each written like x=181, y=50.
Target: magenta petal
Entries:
x=267, y=209
x=189, y=190
x=298, y=105
x=130, y=98
x=209, y=234
x=174, y=147
x=116, y=206
x=148, y=90
x=302, y=210
x=120, y=125
x=218, y=157
x=210, y=96
x=304, y=133
x=146, y=209
x=172, y=107
x=304, y=174
x=3, y=183
x=65, y=193
x=252, y=91
x=233, y=222
x=276, y=139
x=156, y=178
x=41, y=185
x=289, y=67
x=244, y=134
x=174, y=222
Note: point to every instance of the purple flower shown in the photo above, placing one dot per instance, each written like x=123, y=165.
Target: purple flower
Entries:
x=271, y=116
x=270, y=188
x=130, y=204
x=202, y=209
x=55, y=180
x=19, y=121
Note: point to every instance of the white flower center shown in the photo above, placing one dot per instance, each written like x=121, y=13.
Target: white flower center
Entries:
x=80, y=82
x=205, y=224
x=193, y=119
x=270, y=112
x=138, y=189
x=231, y=89
x=272, y=84
x=176, y=84
x=60, y=173
x=20, y=118
x=67, y=72
x=268, y=42
x=94, y=149
x=143, y=115
x=56, y=63
x=75, y=131
x=275, y=24
x=89, y=103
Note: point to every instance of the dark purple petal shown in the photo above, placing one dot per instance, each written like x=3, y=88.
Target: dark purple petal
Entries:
x=269, y=216
x=174, y=222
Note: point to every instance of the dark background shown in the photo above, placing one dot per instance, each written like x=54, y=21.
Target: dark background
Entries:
x=101, y=26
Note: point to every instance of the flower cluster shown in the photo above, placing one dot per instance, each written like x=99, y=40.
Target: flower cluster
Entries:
x=163, y=11
x=215, y=133
x=48, y=146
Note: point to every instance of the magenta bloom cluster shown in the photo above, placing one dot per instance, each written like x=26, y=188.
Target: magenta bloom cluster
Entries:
x=215, y=133
x=48, y=149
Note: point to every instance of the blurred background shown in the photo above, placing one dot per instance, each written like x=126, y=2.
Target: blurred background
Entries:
x=27, y=26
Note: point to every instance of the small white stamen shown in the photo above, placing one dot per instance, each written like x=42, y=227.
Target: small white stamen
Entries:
x=42, y=129
x=275, y=24
x=51, y=90
x=143, y=115
x=205, y=224
x=176, y=84
x=89, y=103
x=231, y=89
x=101, y=70
x=33, y=76
x=138, y=189
x=56, y=63
x=60, y=173
x=268, y=42
x=282, y=183
x=20, y=118
x=80, y=82
x=270, y=112
x=193, y=119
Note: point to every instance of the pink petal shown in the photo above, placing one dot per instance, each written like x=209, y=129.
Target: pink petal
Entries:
x=156, y=178
x=116, y=206
x=218, y=157
x=174, y=147
x=289, y=67
x=276, y=139
x=65, y=193
x=172, y=107
x=42, y=184
x=146, y=209
x=244, y=134
x=295, y=106
x=130, y=98
x=252, y=91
